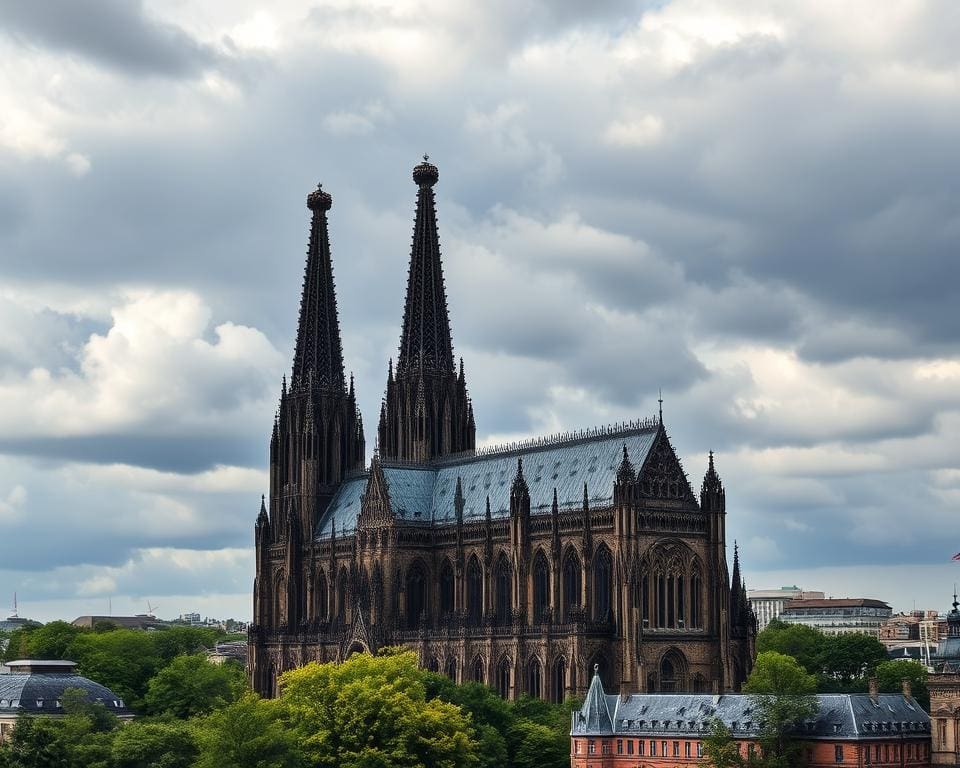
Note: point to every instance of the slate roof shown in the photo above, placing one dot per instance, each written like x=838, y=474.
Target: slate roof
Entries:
x=841, y=716
x=424, y=492
x=41, y=693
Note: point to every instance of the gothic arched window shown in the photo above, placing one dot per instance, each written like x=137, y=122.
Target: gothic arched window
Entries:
x=696, y=600
x=503, y=589
x=602, y=584
x=446, y=589
x=541, y=587
x=534, y=674
x=503, y=677
x=452, y=669
x=417, y=603
x=478, y=676
x=474, y=591
x=558, y=681
x=572, y=575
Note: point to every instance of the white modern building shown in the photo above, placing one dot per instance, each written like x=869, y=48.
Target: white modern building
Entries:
x=839, y=616
x=768, y=604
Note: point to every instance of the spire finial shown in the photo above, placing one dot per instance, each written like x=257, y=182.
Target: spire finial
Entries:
x=426, y=173
x=319, y=200
x=660, y=400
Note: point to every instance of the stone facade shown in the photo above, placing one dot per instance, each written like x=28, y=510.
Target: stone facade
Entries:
x=522, y=567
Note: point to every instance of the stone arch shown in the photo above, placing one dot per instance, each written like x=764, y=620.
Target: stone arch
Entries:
x=541, y=586
x=503, y=677
x=279, y=600
x=502, y=590
x=558, y=680
x=571, y=584
x=451, y=669
x=534, y=677
x=479, y=669
x=434, y=664
x=672, y=671
x=446, y=588
x=603, y=584
x=474, y=590
x=699, y=683
x=320, y=594
x=417, y=587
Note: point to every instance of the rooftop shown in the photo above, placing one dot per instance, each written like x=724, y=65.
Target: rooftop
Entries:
x=37, y=687
x=843, y=602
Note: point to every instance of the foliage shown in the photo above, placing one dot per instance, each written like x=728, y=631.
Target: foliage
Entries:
x=783, y=693
x=154, y=745
x=123, y=660
x=247, y=734
x=49, y=641
x=890, y=675
x=191, y=685
x=720, y=749
x=372, y=712
x=841, y=663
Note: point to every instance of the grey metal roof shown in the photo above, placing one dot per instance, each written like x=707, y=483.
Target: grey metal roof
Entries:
x=425, y=492
x=840, y=716
x=41, y=693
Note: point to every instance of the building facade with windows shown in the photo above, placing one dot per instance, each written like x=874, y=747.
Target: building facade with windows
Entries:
x=521, y=567
x=944, y=685
x=768, y=604
x=839, y=616
x=658, y=730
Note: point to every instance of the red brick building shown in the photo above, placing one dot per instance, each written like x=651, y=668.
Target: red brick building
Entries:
x=669, y=730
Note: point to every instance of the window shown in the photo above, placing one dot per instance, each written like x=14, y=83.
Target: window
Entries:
x=653, y=748
x=503, y=584
x=663, y=748
x=576, y=746
x=591, y=747
x=474, y=591
x=630, y=746
x=942, y=730
x=866, y=754
x=541, y=587
x=619, y=746
x=838, y=753
x=699, y=749
x=571, y=585
x=686, y=749
x=602, y=577
x=446, y=589
x=886, y=753
x=640, y=747
x=503, y=678
x=876, y=753
x=676, y=749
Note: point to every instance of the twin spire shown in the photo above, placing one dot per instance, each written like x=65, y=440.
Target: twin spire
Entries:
x=319, y=353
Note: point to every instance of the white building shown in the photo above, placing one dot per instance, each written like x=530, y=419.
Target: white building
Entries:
x=839, y=616
x=768, y=604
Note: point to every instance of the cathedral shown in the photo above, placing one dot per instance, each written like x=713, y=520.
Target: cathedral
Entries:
x=523, y=567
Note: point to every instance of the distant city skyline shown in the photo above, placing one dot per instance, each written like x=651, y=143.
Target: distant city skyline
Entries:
x=751, y=206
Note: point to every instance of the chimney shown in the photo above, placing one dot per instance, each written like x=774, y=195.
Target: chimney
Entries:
x=874, y=687
x=907, y=690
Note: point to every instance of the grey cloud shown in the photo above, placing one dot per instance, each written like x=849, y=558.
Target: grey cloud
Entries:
x=117, y=33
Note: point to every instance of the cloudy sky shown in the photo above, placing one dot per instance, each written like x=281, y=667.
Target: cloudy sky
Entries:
x=753, y=205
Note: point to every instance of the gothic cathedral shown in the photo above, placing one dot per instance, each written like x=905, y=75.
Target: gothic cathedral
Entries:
x=521, y=567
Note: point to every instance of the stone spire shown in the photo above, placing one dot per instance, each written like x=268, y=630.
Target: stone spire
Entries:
x=426, y=342
x=427, y=412
x=318, y=348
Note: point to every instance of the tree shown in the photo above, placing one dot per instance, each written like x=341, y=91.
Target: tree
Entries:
x=153, y=745
x=890, y=675
x=176, y=641
x=37, y=742
x=191, y=685
x=123, y=660
x=50, y=641
x=847, y=660
x=720, y=749
x=247, y=734
x=803, y=643
x=372, y=712
x=782, y=692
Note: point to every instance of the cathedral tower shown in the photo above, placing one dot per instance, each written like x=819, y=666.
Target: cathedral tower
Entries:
x=317, y=433
x=426, y=410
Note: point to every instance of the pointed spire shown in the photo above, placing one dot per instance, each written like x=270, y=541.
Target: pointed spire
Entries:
x=426, y=338
x=626, y=473
x=352, y=393
x=458, y=502
x=519, y=481
x=660, y=400
x=461, y=376
x=595, y=711
x=318, y=346
x=262, y=518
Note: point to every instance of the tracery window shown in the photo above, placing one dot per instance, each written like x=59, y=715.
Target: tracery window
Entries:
x=534, y=674
x=503, y=678
x=343, y=584
x=541, y=587
x=478, y=676
x=602, y=584
x=416, y=587
x=503, y=589
x=572, y=575
x=320, y=596
x=558, y=681
x=446, y=589
x=474, y=591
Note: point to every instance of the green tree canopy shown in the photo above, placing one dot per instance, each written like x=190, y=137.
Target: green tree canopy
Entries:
x=123, y=660
x=720, y=749
x=372, y=712
x=50, y=641
x=191, y=685
x=247, y=734
x=154, y=745
x=890, y=675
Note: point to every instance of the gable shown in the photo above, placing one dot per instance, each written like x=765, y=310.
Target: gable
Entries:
x=662, y=475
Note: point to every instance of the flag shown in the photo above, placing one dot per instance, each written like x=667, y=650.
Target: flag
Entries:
x=956, y=556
